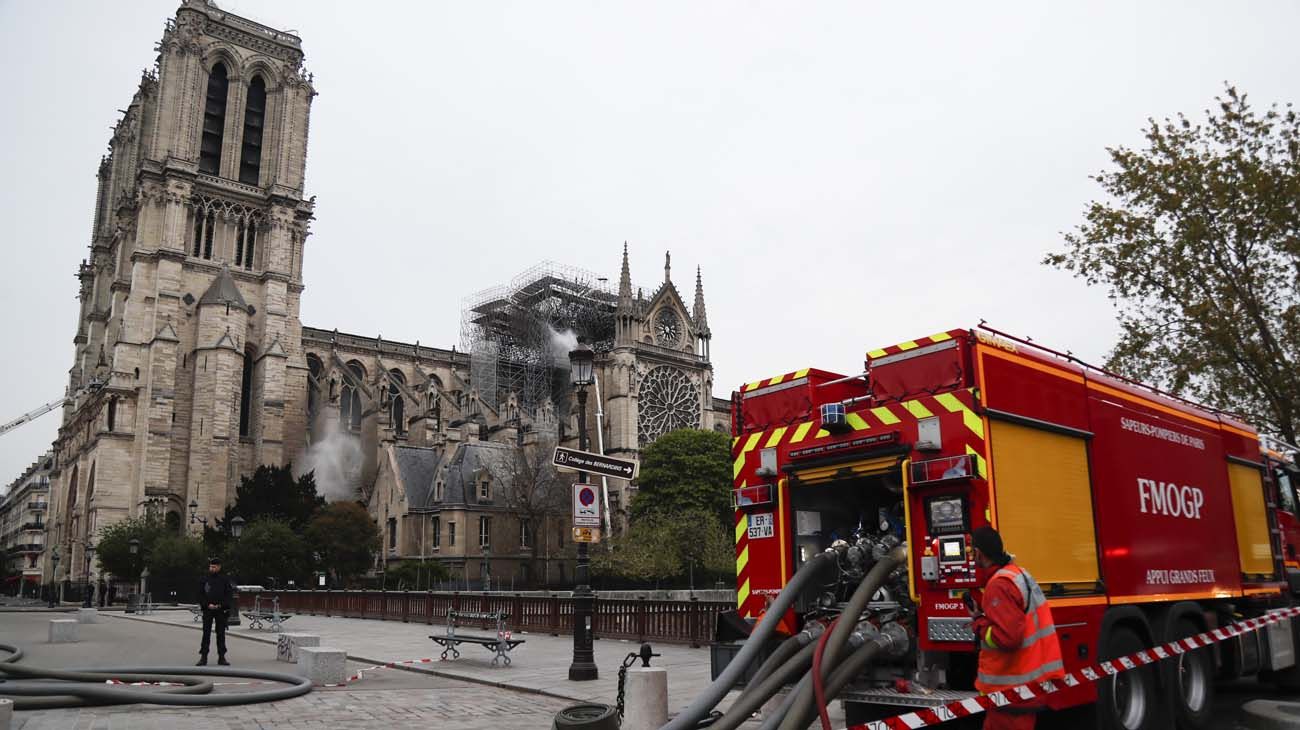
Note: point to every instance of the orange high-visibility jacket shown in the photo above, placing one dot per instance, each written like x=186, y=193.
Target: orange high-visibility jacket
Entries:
x=1036, y=657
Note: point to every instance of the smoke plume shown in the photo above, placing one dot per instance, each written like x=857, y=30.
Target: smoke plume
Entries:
x=562, y=343
x=336, y=460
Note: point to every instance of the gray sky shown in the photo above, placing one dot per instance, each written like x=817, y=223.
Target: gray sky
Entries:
x=848, y=175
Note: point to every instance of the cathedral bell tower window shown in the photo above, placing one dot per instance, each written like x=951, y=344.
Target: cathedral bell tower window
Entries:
x=214, y=121
x=246, y=396
x=250, y=160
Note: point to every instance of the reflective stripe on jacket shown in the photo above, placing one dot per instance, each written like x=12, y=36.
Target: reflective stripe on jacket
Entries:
x=1037, y=657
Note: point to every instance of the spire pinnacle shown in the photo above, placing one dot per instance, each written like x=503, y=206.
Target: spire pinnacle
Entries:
x=625, y=279
x=668, y=267
x=697, y=312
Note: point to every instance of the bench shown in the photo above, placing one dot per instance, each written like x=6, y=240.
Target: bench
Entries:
x=197, y=613
x=500, y=645
x=259, y=618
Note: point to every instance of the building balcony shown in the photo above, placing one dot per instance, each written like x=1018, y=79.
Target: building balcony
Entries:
x=27, y=548
x=34, y=526
x=38, y=506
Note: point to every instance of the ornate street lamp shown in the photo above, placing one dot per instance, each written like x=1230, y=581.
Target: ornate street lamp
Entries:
x=583, y=666
x=194, y=516
x=54, y=574
x=236, y=526
x=87, y=602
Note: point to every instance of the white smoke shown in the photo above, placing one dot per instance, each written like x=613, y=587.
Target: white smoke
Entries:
x=336, y=461
x=562, y=343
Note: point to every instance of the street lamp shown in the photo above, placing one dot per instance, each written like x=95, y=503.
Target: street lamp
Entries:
x=236, y=526
x=90, y=556
x=584, y=660
x=194, y=517
x=54, y=574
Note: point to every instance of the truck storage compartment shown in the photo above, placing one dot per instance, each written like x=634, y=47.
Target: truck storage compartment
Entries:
x=1253, y=546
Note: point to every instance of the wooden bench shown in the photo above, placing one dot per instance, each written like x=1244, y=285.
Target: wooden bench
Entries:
x=500, y=645
x=260, y=618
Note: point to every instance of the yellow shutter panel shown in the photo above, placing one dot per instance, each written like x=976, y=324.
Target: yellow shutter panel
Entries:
x=1252, y=521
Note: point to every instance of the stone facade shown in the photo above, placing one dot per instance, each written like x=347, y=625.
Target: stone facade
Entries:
x=191, y=366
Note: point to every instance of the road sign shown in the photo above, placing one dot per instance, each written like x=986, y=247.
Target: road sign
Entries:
x=586, y=506
x=586, y=534
x=574, y=460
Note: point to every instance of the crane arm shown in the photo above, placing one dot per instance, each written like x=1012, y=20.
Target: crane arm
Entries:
x=32, y=415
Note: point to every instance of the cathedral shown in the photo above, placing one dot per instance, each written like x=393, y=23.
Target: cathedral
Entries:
x=192, y=367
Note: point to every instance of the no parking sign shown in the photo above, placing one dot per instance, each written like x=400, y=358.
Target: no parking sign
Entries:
x=586, y=506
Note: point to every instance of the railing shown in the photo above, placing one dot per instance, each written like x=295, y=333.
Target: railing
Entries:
x=38, y=506
x=34, y=526
x=639, y=619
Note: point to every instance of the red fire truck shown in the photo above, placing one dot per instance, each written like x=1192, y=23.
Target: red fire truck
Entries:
x=1144, y=517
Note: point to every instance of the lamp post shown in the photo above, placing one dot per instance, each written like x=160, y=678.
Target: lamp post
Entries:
x=87, y=601
x=583, y=667
x=54, y=574
x=133, y=546
x=236, y=526
x=194, y=516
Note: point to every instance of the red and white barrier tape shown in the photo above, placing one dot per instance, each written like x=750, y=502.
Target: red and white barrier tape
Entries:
x=1090, y=673
x=390, y=665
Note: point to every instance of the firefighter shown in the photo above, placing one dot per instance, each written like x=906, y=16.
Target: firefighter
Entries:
x=1013, y=626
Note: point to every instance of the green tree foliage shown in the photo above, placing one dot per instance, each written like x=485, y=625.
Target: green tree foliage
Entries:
x=1198, y=241
x=665, y=546
x=113, y=551
x=412, y=575
x=345, y=538
x=273, y=493
x=682, y=471
x=177, y=560
x=269, y=553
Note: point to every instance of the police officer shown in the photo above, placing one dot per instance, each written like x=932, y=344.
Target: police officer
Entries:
x=1013, y=626
x=216, y=598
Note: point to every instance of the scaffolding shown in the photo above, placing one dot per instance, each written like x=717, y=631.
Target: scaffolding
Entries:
x=518, y=335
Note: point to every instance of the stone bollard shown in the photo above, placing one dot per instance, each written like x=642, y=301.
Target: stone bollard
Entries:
x=645, y=704
x=63, y=630
x=87, y=615
x=6, y=714
x=323, y=664
x=286, y=649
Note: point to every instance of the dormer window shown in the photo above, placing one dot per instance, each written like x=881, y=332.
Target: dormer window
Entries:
x=485, y=491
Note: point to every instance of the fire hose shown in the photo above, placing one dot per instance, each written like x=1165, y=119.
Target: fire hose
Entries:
x=713, y=694
x=86, y=686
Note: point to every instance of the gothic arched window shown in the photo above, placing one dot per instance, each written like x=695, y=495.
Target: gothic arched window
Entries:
x=396, y=408
x=246, y=396
x=313, y=382
x=214, y=121
x=350, y=399
x=71, y=506
x=112, y=413
x=250, y=161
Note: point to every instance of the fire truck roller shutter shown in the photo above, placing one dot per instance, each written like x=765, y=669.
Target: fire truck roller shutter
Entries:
x=1248, y=512
x=1044, y=502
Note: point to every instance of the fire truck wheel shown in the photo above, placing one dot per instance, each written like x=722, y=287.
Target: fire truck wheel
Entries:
x=1128, y=700
x=1188, y=682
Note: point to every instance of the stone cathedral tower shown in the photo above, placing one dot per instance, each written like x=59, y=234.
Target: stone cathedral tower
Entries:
x=189, y=368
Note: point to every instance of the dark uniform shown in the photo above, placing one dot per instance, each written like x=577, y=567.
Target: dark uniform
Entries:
x=217, y=598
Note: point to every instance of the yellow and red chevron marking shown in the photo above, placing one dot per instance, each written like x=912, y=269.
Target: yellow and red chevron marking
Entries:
x=776, y=380
x=914, y=344
x=742, y=559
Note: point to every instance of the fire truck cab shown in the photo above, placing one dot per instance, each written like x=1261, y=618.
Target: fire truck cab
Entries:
x=1145, y=518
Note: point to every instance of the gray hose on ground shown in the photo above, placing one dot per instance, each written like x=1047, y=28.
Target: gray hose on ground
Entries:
x=839, y=634
x=787, y=649
x=803, y=715
x=713, y=694
x=746, y=704
x=775, y=717
x=69, y=693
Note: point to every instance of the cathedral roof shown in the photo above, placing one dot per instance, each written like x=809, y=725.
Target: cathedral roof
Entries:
x=418, y=467
x=224, y=291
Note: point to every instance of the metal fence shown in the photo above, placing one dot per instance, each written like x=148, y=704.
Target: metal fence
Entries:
x=638, y=619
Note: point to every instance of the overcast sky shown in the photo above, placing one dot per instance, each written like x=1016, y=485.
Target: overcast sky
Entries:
x=848, y=175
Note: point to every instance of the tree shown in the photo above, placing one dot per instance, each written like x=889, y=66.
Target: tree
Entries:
x=531, y=488
x=273, y=493
x=269, y=553
x=345, y=538
x=113, y=550
x=1199, y=246
x=176, y=563
x=413, y=575
x=682, y=471
x=665, y=546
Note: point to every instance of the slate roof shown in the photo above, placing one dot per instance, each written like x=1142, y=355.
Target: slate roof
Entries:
x=419, y=472
x=224, y=291
x=469, y=458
